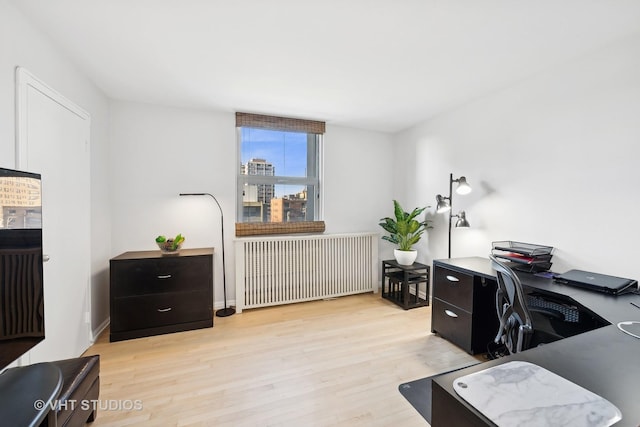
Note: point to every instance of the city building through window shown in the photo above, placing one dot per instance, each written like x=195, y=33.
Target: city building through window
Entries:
x=279, y=171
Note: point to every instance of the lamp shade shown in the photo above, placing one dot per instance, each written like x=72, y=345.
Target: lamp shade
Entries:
x=443, y=204
x=462, y=220
x=463, y=186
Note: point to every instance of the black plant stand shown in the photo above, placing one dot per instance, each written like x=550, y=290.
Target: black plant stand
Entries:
x=398, y=279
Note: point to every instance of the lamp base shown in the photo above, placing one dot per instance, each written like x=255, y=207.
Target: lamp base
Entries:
x=224, y=312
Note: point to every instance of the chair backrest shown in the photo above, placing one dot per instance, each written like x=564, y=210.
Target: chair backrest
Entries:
x=514, y=316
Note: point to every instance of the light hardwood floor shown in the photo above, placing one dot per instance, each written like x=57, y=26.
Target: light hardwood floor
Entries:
x=326, y=363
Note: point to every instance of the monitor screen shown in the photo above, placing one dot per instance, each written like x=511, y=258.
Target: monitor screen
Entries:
x=21, y=275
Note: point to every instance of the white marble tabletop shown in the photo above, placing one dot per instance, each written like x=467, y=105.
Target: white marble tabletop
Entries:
x=523, y=394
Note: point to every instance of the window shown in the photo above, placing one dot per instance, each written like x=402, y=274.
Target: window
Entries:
x=278, y=176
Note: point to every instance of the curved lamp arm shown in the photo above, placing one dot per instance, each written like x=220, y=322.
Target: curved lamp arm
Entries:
x=227, y=311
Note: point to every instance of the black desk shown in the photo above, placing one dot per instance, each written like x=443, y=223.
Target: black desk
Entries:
x=605, y=360
x=27, y=393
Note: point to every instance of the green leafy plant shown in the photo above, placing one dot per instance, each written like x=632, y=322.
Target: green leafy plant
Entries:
x=404, y=230
x=169, y=244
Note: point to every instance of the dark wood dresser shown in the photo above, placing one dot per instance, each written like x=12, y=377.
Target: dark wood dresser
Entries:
x=154, y=294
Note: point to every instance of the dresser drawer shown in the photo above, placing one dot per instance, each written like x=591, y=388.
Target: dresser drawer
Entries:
x=160, y=275
x=452, y=323
x=141, y=312
x=453, y=287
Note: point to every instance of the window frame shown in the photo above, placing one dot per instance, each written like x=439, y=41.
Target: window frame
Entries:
x=314, y=158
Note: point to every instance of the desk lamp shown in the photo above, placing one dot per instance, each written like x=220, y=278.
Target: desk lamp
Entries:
x=444, y=204
x=226, y=311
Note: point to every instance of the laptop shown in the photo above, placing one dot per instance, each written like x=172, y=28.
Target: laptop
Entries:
x=598, y=282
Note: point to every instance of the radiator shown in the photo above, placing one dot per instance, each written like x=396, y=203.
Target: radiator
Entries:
x=284, y=270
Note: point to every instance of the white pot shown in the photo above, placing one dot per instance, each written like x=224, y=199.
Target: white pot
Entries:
x=405, y=257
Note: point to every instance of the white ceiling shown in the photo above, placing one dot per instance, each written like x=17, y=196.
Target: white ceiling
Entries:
x=383, y=65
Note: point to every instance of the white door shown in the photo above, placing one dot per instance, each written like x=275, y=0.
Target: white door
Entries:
x=53, y=140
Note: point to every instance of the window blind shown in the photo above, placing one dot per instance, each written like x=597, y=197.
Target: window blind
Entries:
x=279, y=123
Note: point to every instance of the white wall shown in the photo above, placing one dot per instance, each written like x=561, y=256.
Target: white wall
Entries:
x=159, y=152
x=552, y=161
x=358, y=184
x=23, y=45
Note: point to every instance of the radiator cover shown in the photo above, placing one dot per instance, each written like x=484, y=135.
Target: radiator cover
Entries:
x=288, y=269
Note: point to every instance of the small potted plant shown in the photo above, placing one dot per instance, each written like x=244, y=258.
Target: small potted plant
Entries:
x=405, y=231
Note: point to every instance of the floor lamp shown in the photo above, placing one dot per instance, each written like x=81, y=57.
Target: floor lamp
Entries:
x=445, y=203
x=226, y=311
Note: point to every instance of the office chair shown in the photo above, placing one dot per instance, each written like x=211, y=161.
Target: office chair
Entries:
x=521, y=327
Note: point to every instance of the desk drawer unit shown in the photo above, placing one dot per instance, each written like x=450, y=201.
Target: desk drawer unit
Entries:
x=154, y=294
x=464, y=308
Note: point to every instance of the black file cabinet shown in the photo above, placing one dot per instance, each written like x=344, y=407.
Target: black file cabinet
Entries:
x=397, y=281
x=155, y=294
x=464, y=309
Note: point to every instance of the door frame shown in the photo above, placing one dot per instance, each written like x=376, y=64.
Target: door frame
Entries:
x=24, y=80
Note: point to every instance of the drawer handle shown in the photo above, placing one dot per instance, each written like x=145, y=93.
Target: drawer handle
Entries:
x=453, y=279
x=164, y=310
x=164, y=276
x=450, y=313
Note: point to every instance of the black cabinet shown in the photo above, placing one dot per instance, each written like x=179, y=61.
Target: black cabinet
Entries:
x=464, y=310
x=155, y=294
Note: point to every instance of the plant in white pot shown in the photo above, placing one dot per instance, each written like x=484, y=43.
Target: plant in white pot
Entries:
x=405, y=231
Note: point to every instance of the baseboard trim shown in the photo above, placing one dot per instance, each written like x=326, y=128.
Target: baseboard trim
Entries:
x=100, y=329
